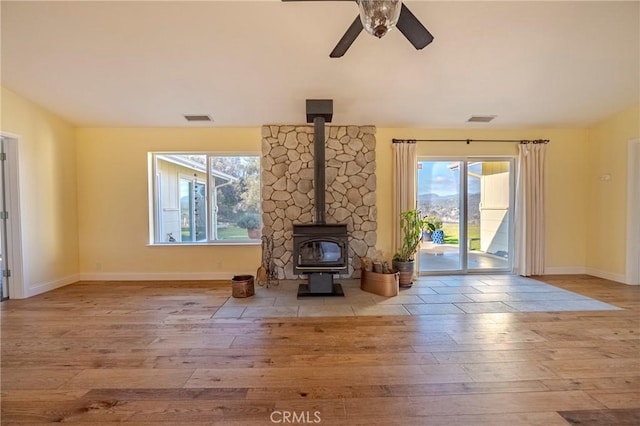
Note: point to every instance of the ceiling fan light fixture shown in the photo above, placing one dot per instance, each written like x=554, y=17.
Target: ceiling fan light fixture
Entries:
x=379, y=16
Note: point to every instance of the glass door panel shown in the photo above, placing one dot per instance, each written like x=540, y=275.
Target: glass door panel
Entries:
x=488, y=215
x=439, y=197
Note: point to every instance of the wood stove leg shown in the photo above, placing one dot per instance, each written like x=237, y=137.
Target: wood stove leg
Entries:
x=320, y=284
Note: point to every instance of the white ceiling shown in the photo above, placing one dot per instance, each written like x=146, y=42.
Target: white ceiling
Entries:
x=248, y=63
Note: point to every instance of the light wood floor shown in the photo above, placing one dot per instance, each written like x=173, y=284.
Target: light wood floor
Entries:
x=150, y=353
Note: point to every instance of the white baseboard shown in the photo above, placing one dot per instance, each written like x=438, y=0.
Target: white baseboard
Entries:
x=159, y=276
x=621, y=278
x=130, y=276
x=51, y=285
x=565, y=270
x=583, y=270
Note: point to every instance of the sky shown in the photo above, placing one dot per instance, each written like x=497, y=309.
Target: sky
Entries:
x=437, y=177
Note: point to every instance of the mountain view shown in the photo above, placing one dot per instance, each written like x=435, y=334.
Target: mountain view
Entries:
x=447, y=208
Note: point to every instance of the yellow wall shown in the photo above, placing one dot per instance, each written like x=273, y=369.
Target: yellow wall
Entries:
x=607, y=202
x=47, y=174
x=114, y=219
x=113, y=204
x=566, y=197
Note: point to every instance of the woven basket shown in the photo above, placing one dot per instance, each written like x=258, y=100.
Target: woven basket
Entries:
x=242, y=286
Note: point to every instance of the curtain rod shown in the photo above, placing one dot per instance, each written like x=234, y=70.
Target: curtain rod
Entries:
x=468, y=141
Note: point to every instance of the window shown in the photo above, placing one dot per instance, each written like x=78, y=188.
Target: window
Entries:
x=204, y=198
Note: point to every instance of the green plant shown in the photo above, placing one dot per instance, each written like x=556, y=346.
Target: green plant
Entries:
x=412, y=224
x=249, y=221
x=433, y=222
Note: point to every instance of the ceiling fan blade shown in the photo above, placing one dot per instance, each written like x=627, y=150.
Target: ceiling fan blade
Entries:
x=412, y=29
x=347, y=39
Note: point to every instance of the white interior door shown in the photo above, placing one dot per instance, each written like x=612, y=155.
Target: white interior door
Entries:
x=13, y=281
x=633, y=213
x=4, y=275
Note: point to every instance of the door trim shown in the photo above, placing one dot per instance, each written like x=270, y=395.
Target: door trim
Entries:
x=14, y=255
x=633, y=213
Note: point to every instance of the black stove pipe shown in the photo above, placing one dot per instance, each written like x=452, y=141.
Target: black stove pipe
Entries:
x=318, y=170
x=319, y=111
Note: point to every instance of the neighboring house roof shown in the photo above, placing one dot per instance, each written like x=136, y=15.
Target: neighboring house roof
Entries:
x=194, y=163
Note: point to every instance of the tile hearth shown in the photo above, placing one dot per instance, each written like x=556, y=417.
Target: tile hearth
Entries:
x=458, y=294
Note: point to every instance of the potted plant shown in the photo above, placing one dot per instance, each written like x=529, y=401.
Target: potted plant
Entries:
x=251, y=222
x=412, y=226
x=434, y=229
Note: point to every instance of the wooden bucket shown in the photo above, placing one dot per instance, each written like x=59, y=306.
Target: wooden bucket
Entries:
x=242, y=286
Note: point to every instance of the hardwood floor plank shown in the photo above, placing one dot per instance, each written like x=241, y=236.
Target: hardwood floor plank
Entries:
x=506, y=371
x=496, y=403
x=624, y=383
x=399, y=390
x=614, y=367
x=328, y=376
x=329, y=340
x=41, y=395
x=616, y=400
x=526, y=336
x=44, y=378
x=167, y=394
x=128, y=378
x=532, y=355
x=80, y=361
x=603, y=417
x=511, y=419
x=46, y=412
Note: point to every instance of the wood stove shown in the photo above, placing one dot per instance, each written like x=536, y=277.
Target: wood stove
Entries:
x=320, y=250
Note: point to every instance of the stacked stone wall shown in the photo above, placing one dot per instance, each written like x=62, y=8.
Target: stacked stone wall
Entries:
x=288, y=191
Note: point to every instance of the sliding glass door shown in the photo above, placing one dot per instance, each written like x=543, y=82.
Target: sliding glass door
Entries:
x=469, y=202
x=440, y=197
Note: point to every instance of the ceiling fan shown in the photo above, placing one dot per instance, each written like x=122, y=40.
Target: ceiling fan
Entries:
x=378, y=18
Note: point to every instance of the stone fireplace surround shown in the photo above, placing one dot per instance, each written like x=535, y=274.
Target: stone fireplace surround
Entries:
x=287, y=188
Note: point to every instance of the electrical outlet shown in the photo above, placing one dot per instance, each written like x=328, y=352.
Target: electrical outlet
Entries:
x=605, y=177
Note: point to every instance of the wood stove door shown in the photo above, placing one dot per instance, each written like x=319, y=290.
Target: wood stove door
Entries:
x=321, y=252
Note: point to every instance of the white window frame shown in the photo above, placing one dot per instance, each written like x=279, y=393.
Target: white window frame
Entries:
x=155, y=223
x=197, y=180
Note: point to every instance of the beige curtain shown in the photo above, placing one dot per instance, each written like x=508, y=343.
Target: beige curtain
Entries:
x=404, y=184
x=529, y=220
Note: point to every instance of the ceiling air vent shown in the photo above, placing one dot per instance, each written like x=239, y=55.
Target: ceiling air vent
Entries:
x=481, y=118
x=195, y=117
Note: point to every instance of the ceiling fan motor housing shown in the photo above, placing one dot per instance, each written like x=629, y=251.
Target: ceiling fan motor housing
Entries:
x=378, y=17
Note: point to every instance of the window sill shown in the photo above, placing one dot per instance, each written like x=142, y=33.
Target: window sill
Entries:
x=209, y=244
